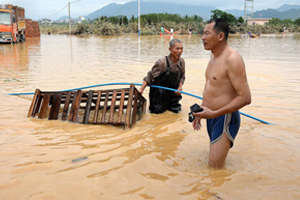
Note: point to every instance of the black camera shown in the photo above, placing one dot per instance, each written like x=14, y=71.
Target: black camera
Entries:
x=194, y=108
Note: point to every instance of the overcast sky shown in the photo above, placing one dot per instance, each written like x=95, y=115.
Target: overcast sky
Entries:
x=53, y=9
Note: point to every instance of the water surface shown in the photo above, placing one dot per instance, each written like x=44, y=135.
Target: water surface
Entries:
x=161, y=157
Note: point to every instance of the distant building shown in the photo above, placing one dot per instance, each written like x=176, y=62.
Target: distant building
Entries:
x=80, y=19
x=45, y=21
x=257, y=21
x=72, y=21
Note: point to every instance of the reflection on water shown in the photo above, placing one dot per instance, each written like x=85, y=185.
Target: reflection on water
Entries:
x=161, y=157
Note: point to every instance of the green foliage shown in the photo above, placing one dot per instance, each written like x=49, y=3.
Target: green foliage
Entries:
x=275, y=21
x=223, y=15
x=151, y=23
x=133, y=19
x=297, y=22
x=82, y=29
x=240, y=20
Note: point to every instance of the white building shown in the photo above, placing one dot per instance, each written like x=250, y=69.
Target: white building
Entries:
x=257, y=21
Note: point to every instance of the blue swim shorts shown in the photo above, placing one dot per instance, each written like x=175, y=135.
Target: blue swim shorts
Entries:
x=228, y=124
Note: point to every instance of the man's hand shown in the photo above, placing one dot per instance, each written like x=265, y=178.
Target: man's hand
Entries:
x=141, y=91
x=179, y=89
x=197, y=124
x=206, y=113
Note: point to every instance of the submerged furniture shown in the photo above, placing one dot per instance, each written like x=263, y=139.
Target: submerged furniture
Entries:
x=115, y=106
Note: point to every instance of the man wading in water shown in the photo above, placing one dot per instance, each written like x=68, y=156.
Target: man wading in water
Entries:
x=226, y=91
x=168, y=71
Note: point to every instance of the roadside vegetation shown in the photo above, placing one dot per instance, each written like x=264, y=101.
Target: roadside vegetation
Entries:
x=151, y=25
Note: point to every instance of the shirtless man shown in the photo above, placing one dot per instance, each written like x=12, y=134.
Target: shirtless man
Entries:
x=226, y=91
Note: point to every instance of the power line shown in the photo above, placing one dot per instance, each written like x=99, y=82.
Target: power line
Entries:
x=59, y=11
x=76, y=1
x=63, y=8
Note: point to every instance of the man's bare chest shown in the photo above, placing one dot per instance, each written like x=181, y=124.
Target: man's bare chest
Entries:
x=216, y=72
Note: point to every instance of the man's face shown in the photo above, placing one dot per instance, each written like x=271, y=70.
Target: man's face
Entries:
x=210, y=38
x=176, y=50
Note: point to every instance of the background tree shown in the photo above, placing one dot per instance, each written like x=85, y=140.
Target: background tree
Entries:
x=297, y=22
x=223, y=15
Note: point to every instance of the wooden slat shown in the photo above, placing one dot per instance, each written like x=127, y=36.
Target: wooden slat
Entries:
x=78, y=101
x=97, y=107
x=134, y=112
x=43, y=110
x=112, y=107
x=88, y=107
x=142, y=103
x=101, y=107
x=121, y=106
x=144, y=106
x=54, y=112
x=38, y=105
x=139, y=107
x=84, y=99
x=129, y=106
x=66, y=106
x=34, y=102
x=71, y=114
x=105, y=107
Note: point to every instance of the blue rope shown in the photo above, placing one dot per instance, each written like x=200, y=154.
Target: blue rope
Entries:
x=155, y=86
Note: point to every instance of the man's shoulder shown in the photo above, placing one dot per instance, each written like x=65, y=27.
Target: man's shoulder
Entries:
x=233, y=58
x=161, y=62
x=232, y=55
x=162, y=59
x=232, y=52
x=181, y=60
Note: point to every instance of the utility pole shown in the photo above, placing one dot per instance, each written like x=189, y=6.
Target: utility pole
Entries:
x=139, y=17
x=69, y=19
x=70, y=14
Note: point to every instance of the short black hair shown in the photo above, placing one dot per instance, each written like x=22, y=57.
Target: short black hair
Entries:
x=220, y=26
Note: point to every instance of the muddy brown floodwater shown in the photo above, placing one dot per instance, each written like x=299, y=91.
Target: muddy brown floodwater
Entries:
x=161, y=157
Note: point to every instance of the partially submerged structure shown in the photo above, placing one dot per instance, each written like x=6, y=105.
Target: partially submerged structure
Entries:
x=115, y=106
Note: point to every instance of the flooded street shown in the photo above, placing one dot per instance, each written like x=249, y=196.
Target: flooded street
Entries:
x=161, y=156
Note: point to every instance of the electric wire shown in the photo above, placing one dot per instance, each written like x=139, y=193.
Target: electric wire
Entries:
x=63, y=8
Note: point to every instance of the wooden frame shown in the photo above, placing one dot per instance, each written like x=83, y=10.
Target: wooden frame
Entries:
x=116, y=106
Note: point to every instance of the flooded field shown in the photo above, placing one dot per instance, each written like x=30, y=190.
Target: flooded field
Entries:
x=161, y=157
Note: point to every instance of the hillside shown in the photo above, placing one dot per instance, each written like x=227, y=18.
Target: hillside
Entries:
x=236, y=13
x=128, y=9
x=131, y=8
x=292, y=13
x=285, y=11
x=64, y=18
x=286, y=7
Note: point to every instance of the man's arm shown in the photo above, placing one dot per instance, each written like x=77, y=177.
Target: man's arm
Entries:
x=237, y=75
x=143, y=87
x=179, y=89
x=182, y=79
x=152, y=74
